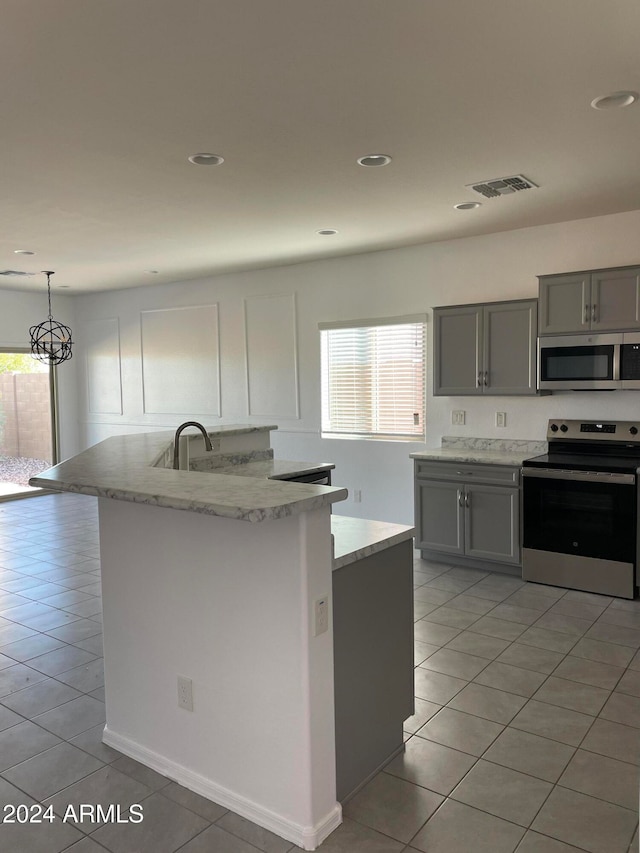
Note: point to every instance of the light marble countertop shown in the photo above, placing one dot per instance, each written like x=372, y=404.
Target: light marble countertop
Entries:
x=355, y=538
x=272, y=469
x=487, y=457
x=489, y=451
x=122, y=468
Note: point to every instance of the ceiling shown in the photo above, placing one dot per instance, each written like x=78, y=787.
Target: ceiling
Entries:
x=103, y=102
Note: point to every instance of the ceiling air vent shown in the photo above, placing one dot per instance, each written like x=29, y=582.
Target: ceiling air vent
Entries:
x=502, y=186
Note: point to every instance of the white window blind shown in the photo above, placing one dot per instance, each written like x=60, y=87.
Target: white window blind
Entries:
x=373, y=379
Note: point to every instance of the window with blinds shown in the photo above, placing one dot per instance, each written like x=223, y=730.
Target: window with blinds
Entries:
x=373, y=379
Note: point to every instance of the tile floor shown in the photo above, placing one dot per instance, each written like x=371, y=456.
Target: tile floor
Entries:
x=526, y=735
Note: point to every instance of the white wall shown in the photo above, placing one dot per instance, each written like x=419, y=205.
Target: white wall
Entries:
x=262, y=682
x=402, y=281
x=19, y=311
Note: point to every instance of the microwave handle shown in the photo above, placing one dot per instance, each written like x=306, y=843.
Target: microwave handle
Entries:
x=616, y=361
x=586, y=313
x=593, y=313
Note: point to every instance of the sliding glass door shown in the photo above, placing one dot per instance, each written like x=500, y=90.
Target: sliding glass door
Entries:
x=27, y=421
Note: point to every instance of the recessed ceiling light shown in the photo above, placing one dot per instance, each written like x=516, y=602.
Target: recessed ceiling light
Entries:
x=152, y=272
x=63, y=286
x=327, y=232
x=206, y=159
x=467, y=205
x=22, y=252
x=374, y=160
x=616, y=99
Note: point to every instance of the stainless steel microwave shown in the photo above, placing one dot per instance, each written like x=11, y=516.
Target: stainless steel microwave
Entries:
x=586, y=362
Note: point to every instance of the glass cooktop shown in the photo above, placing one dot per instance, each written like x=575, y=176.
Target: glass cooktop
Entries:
x=585, y=462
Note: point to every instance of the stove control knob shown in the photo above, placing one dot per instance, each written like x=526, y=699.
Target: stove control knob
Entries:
x=554, y=427
x=564, y=428
x=633, y=430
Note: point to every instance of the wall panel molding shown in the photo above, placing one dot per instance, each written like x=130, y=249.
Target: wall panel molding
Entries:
x=271, y=351
x=180, y=349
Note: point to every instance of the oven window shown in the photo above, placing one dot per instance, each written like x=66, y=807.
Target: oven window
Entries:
x=582, y=518
x=576, y=363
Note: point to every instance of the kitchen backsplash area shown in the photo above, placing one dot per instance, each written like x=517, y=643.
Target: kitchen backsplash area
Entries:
x=498, y=445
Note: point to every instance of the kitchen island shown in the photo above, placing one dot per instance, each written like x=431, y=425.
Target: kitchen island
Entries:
x=240, y=611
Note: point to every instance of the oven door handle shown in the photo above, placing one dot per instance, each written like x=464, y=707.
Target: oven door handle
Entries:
x=603, y=478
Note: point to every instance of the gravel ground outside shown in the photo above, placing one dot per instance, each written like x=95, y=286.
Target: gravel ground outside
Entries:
x=18, y=469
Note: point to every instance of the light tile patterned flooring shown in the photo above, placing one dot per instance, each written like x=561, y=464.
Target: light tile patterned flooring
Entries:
x=526, y=735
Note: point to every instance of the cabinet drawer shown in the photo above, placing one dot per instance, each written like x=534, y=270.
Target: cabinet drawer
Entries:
x=467, y=472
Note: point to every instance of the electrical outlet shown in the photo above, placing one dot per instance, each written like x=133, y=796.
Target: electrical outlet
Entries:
x=357, y=496
x=185, y=693
x=321, y=616
x=501, y=419
x=458, y=417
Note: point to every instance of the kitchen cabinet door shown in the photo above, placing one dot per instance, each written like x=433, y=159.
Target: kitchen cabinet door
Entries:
x=457, y=350
x=615, y=299
x=485, y=349
x=492, y=523
x=439, y=516
x=565, y=303
x=509, y=351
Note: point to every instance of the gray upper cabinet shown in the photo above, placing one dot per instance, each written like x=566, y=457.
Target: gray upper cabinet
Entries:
x=457, y=350
x=510, y=332
x=485, y=349
x=596, y=300
x=564, y=303
x=615, y=299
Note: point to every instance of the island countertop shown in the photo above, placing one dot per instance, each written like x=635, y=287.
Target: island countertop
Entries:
x=357, y=538
x=273, y=469
x=129, y=468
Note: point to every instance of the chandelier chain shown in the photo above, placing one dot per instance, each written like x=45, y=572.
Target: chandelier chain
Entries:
x=48, y=274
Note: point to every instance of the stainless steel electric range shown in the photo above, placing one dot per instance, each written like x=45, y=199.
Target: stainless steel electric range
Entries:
x=580, y=508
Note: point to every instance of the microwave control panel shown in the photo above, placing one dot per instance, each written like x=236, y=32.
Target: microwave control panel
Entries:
x=630, y=361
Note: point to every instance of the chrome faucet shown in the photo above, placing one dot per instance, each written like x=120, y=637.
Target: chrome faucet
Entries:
x=176, y=446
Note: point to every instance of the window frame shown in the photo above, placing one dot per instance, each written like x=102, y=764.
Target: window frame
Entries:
x=373, y=434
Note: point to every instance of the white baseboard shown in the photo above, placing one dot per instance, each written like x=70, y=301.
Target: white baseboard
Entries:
x=307, y=837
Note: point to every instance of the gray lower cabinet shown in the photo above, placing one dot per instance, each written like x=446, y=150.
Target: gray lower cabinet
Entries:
x=468, y=511
x=440, y=516
x=373, y=662
x=596, y=300
x=485, y=349
x=491, y=524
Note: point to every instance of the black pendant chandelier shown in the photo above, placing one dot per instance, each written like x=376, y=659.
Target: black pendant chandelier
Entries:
x=50, y=341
